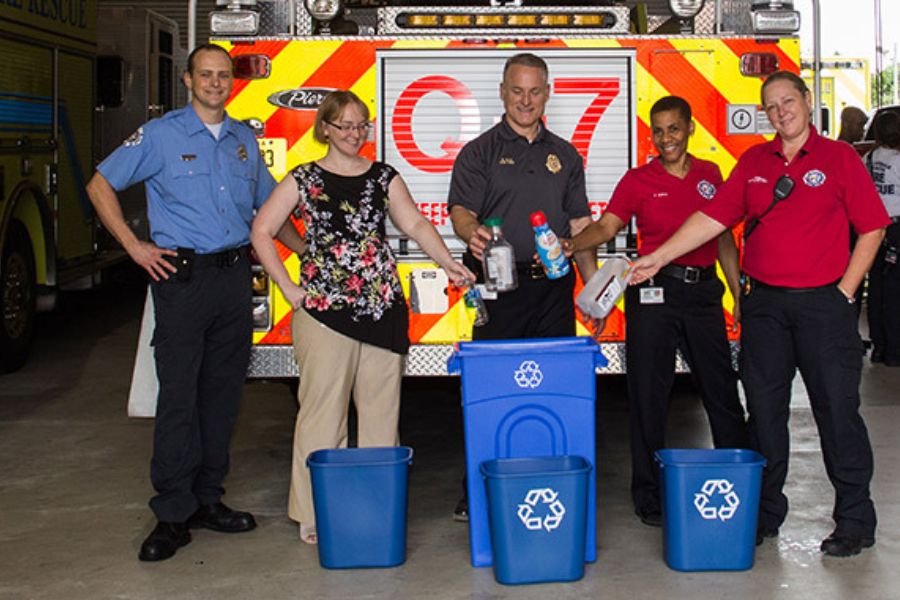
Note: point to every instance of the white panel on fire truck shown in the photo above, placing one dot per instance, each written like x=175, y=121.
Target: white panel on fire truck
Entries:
x=431, y=102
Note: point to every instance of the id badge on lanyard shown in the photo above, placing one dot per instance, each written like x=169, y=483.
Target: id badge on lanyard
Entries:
x=652, y=294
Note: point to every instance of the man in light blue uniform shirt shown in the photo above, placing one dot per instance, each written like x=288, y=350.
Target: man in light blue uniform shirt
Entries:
x=205, y=179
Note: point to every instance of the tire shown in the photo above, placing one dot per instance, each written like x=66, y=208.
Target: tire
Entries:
x=17, y=298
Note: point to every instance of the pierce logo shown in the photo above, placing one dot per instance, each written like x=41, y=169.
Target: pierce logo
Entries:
x=300, y=98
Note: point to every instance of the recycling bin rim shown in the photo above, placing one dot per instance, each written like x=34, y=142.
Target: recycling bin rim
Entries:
x=709, y=457
x=404, y=454
x=568, y=464
x=493, y=348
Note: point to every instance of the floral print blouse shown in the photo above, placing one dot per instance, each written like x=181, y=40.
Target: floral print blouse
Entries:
x=348, y=270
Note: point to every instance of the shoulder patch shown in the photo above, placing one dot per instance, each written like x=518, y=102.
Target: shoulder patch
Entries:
x=135, y=138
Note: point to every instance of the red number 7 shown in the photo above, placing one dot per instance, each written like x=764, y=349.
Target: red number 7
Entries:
x=604, y=89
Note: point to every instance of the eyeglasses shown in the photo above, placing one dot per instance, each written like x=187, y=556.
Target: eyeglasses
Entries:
x=361, y=128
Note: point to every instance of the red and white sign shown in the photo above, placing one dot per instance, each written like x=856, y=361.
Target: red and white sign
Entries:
x=431, y=102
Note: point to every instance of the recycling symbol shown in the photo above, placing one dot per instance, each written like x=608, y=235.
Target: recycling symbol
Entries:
x=528, y=375
x=553, y=513
x=722, y=510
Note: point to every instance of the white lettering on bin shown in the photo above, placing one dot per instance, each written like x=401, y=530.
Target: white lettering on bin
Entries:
x=528, y=375
x=555, y=510
x=717, y=487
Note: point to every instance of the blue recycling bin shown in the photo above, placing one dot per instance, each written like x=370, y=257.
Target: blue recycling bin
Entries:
x=710, y=504
x=537, y=511
x=360, y=498
x=525, y=398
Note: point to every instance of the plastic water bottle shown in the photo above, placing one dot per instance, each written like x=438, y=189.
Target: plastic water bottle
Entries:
x=475, y=302
x=549, y=249
x=499, y=260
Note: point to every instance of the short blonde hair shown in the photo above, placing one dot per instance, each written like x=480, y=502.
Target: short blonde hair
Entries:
x=331, y=109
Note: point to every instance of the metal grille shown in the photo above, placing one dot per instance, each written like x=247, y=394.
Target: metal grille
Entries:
x=734, y=16
x=274, y=17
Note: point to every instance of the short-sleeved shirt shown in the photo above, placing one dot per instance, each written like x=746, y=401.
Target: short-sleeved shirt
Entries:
x=501, y=174
x=884, y=166
x=662, y=202
x=803, y=241
x=348, y=270
x=202, y=192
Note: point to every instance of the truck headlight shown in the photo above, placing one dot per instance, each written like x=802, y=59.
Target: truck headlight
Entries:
x=685, y=9
x=237, y=18
x=323, y=10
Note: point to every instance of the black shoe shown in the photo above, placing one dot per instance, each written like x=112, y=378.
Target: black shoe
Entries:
x=649, y=516
x=764, y=532
x=841, y=545
x=461, y=512
x=164, y=540
x=219, y=517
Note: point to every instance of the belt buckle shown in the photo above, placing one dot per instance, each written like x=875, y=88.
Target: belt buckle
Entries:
x=691, y=275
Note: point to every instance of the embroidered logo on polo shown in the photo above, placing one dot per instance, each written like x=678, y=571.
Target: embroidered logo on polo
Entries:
x=757, y=179
x=135, y=138
x=553, y=164
x=706, y=189
x=507, y=161
x=814, y=178
x=660, y=194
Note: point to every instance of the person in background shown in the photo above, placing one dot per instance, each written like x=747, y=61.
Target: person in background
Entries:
x=350, y=322
x=205, y=178
x=799, y=193
x=853, y=122
x=883, y=309
x=512, y=169
x=681, y=308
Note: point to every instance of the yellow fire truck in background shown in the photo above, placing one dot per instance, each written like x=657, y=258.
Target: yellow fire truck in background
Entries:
x=430, y=76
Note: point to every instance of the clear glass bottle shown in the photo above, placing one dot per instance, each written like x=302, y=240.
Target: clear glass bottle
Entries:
x=475, y=303
x=499, y=260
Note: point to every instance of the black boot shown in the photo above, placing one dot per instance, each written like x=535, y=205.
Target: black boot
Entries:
x=164, y=540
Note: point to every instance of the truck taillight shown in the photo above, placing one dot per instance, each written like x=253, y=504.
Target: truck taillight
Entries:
x=252, y=66
x=758, y=64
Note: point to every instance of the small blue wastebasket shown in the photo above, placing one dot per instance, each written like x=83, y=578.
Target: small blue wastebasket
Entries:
x=360, y=498
x=525, y=398
x=710, y=504
x=538, y=515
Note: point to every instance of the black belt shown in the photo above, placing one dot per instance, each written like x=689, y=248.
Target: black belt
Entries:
x=530, y=271
x=224, y=258
x=756, y=283
x=689, y=274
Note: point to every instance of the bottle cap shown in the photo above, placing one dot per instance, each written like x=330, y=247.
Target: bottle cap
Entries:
x=493, y=222
x=538, y=218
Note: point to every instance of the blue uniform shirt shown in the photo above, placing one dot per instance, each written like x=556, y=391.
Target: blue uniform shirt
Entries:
x=201, y=192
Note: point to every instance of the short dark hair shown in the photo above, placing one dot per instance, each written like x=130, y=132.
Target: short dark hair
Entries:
x=791, y=78
x=526, y=59
x=331, y=109
x=672, y=103
x=206, y=48
x=887, y=129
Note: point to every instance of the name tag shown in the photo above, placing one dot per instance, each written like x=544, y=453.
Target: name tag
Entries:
x=652, y=295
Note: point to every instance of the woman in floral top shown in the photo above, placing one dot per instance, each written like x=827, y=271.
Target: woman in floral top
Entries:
x=350, y=321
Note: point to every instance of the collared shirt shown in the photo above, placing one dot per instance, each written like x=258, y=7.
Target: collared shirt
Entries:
x=501, y=174
x=201, y=192
x=804, y=240
x=662, y=202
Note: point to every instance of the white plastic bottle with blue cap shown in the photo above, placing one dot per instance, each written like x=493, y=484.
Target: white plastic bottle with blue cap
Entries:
x=549, y=249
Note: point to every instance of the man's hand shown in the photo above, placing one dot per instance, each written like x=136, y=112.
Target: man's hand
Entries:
x=478, y=241
x=150, y=257
x=645, y=267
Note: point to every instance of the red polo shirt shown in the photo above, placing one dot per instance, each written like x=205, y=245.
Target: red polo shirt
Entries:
x=661, y=202
x=804, y=240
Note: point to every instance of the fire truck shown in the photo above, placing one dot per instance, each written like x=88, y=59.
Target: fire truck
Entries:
x=430, y=73
x=76, y=78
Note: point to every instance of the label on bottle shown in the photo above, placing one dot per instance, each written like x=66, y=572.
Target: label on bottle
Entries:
x=550, y=252
x=499, y=263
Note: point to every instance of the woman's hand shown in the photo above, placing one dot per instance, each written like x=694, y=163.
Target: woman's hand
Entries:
x=294, y=294
x=458, y=274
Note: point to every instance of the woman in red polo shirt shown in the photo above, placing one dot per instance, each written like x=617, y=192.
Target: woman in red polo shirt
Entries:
x=799, y=193
x=682, y=308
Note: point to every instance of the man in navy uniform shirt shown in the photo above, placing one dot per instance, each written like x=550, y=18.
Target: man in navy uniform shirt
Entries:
x=204, y=178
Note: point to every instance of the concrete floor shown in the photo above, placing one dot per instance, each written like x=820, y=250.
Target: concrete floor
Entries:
x=74, y=473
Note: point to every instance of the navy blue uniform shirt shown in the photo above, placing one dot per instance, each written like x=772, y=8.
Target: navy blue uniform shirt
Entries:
x=201, y=192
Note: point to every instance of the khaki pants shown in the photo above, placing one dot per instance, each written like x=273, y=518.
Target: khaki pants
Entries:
x=331, y=366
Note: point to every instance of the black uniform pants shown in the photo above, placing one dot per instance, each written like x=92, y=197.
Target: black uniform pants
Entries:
x=814, y=331
x=884, y=301
x=690, y=319
x=201, y=344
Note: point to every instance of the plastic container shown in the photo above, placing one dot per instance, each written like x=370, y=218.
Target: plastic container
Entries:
x=475, y=303
x=710, y=504
x=538, y=516
x=360, y=497
x=525, y=398
x=499, y=260
x=605, y=287
x=549, y=249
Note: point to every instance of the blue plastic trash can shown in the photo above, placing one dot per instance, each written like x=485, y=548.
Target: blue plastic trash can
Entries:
x=538, y=516
x=524, y=398
x=360, y=498
x=710, y=504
